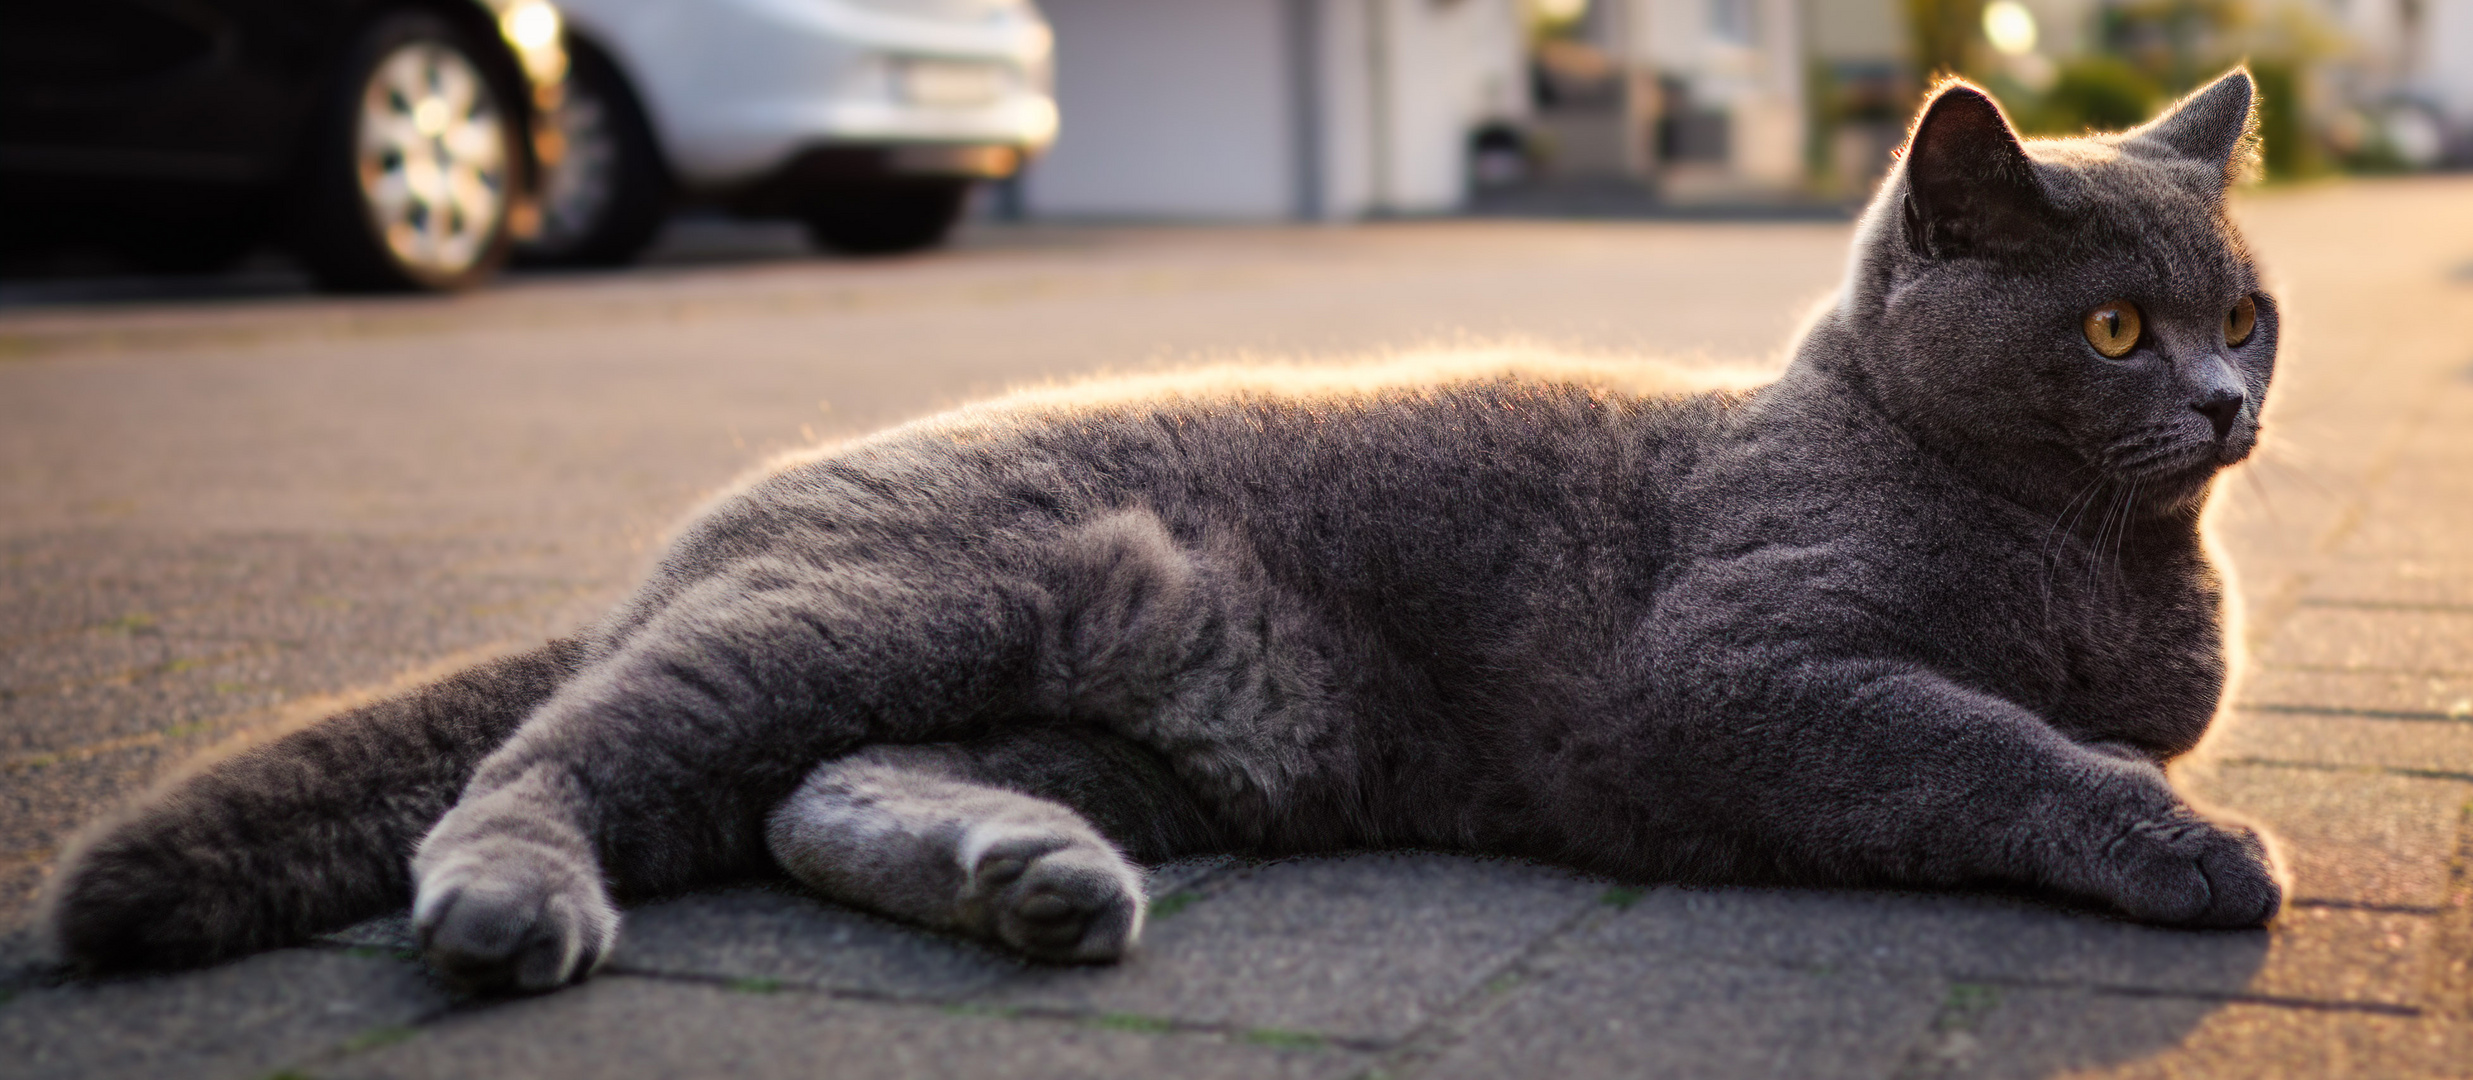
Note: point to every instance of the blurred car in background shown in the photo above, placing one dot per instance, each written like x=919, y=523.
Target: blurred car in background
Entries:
x=391, y=144
x=868, y=120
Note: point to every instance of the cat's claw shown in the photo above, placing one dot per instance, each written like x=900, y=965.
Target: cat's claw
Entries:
x=522, y=920
x=1054, y=897
x=2188, y=871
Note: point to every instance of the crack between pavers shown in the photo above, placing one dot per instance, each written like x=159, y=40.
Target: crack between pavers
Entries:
x=2361, y=669
x=2361, y=905
x=2415, y=715
x=2318, y=766
x=2385, y=605
x=2379, y=1008
x=1118, y=1021
x=1428, y=1042
x=2449, y=980
x=356, y=1044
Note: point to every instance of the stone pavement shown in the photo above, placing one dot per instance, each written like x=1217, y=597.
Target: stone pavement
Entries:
x=219, y=518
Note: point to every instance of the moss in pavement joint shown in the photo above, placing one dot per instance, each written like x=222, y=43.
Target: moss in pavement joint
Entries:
x=1133, y=1022
x=1172, y=903
x=1965, y=1005
x=376, y=1037
x=1285, y=1040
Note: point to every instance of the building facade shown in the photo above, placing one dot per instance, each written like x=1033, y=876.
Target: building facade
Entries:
x=1273, y=109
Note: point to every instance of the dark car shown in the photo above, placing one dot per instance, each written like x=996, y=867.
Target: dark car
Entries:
x=390, y=144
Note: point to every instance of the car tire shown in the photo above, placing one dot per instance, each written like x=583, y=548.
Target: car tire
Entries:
x=884, y=219
x=610, y=192
x=414, y=165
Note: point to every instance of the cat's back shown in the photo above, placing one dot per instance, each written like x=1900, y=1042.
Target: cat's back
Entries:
x=1383, y=453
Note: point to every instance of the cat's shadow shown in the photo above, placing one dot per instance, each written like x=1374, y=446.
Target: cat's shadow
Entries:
x=1355, y=948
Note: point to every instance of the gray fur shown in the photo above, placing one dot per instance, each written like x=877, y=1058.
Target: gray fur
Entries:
x=892, y=828
x=1931, y=610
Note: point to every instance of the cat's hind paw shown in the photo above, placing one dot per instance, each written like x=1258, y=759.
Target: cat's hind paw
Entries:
x=513, y=916
x=1054, y=897
x=2188, y=871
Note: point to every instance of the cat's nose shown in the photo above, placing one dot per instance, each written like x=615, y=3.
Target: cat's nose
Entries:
x=2221, y=405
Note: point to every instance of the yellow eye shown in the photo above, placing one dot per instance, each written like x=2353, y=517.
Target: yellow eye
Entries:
x=2238, y=322
x=2113, y=328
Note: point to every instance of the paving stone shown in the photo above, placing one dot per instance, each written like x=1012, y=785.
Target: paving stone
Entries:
x=1590, y=1013
x=1366, y=946
x=239, y=1020
x=2376, y=640
x=392, y=933
x=2353, y=835
x=620, y=1028
x=2444, y=580
x=2313, y=954
x=1177, y=875
x=786, y=936
x=2318, y=739
x=2030, y=1034
x=2376, y=694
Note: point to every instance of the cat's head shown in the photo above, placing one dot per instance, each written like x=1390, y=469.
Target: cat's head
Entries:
x=2063, y=310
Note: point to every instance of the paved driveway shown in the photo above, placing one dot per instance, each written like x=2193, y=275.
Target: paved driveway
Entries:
x=220, y=517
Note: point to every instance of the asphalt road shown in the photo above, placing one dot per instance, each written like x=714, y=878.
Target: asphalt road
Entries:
x=228, y=507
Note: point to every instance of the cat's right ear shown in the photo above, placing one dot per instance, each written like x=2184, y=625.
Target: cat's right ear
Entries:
x=1969, y=186
x=2217, y=125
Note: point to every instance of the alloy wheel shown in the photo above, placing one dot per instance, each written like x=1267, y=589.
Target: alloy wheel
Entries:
x=431, y=151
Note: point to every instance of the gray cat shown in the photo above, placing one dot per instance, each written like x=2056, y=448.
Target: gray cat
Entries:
x=1930, y=610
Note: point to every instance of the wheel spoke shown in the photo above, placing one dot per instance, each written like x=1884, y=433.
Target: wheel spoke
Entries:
x=458, y=85
x=478, y=139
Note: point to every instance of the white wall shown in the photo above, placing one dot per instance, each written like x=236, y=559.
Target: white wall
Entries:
x=1190, y=108
x=2444, y=68
x=1171, y=108
x=1453, y=66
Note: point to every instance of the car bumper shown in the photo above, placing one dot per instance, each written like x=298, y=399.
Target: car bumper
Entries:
x=821, y=169
x=738, y=89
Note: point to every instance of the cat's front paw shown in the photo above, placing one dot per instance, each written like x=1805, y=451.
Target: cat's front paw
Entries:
x=2184, y=870
x=513, y=915
x=1054, y=897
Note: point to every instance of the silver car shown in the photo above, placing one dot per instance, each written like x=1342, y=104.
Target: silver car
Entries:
x=868, y=120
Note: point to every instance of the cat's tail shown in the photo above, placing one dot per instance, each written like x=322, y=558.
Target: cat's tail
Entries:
x=295, y=837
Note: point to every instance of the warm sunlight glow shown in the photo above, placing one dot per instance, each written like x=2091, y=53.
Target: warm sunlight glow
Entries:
x=532, y=25
x=1558, y=11
x=2010, y=27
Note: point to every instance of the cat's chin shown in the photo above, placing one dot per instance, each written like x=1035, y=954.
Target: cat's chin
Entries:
x=2178, y=489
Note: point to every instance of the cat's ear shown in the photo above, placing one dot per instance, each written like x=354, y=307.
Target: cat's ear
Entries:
x=1969, y=186
x=2217, y=125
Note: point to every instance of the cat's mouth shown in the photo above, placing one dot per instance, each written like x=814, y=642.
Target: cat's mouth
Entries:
x=2178, y=461
x=2179, y=471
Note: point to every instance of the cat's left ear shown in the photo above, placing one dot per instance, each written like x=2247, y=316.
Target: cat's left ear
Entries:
x=2217, y=125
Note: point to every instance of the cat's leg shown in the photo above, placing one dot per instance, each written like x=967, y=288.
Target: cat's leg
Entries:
x=653, y=770
x=656, y=769
x=1892, y=774
x=1013, y=838
x=885, y=830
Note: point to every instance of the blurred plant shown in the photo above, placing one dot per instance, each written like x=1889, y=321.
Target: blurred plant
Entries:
x=2287, y=143
x=2176, y=44
x=1553, y=19
x=2091, y=93
x=2143, y=53
x=1948, y=36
